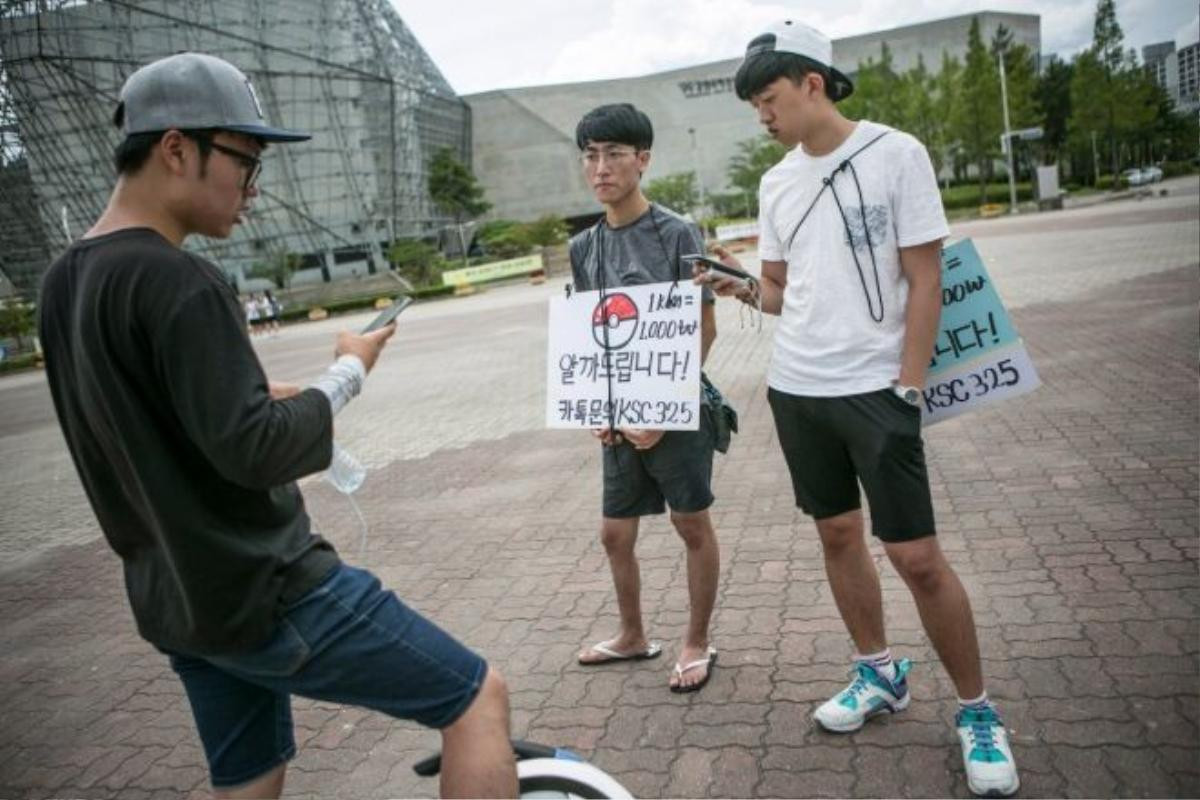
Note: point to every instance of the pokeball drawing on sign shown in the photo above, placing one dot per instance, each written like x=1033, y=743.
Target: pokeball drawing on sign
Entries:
x=618, y=315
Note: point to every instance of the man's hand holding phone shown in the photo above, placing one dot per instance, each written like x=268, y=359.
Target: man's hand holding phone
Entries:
x=367, y=346
x=725, y=276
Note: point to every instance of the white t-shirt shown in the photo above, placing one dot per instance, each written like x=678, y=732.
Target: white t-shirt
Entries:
x=827, y=344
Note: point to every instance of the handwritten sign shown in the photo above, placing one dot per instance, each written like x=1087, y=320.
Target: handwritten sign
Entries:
x=630, y=358
x=978, y=358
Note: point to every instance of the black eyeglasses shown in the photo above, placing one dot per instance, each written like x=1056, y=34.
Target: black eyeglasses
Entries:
x=252, y=164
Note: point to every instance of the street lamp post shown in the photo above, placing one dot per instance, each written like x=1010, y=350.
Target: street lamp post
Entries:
x=1008, y=144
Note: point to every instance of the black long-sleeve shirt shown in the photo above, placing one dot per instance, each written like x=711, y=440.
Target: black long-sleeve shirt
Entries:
x=188, y=462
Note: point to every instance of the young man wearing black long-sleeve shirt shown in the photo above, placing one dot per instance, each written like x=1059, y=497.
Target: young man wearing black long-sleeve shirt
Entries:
x=189, y=457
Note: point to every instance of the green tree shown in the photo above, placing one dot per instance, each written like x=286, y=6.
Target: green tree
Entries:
x=1113, y=100
x=278, y=268
x=918, y=92
x=947, y=90
x=746, y=168
x=977, y=122
x=677, y=192
x=504, y=238
x=1108, y=46
x=454, y=189
x=548, y=231
x=1052, y=97
x=417, y=261
x=1089, y=117
x=1020, y=83
x=16, y=321
x=877, y=91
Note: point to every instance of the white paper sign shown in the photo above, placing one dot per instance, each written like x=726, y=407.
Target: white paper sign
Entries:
x=1001, y=374
x=630, y=359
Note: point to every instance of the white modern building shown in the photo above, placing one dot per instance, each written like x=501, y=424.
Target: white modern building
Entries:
x=524, y=139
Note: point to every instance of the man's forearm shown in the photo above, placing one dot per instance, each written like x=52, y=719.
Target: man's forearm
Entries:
x=342, y=382
x=920, y=332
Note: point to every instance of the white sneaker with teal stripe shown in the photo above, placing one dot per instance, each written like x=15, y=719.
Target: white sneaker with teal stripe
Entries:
x=991, y=771
x=867, y=695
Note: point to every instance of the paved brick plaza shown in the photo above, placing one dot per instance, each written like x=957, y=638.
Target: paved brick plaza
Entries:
x=1071, y=515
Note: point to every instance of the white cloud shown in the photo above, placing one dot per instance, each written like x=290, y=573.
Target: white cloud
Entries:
x=481, y=45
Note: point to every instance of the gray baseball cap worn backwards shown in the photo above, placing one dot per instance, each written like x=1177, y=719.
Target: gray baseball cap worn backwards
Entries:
x=194, y=91
x=789, y=36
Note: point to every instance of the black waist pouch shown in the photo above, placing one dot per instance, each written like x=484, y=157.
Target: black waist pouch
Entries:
x=723, y=416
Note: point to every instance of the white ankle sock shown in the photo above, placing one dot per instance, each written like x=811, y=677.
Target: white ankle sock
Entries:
x=881, y=661
x=978, y=702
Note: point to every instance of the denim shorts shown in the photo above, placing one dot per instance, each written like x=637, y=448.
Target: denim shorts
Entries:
x=831, y=444
x=347, y=641
x=676, y=472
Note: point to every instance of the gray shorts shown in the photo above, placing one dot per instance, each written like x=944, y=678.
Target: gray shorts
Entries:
x=831, y=444
x=676, y=472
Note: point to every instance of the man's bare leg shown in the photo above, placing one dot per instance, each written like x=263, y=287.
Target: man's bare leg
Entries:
x=477, y=755
x=703, y=570
x=265, y=787
x=853, y=579
x=945, y=610
x=619, y=537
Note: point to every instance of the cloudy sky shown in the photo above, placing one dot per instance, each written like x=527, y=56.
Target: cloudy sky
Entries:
x=483, y=44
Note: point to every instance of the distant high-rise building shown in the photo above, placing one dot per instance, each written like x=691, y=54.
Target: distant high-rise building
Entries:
x=1175, y=66
x=1163, y=66
x=1188, y=66
x=348, y=71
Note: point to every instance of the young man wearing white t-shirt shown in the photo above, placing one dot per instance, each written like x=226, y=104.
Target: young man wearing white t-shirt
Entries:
x=851, y=228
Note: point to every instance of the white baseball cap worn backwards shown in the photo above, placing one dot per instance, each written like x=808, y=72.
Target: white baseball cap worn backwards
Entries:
x=789, y=36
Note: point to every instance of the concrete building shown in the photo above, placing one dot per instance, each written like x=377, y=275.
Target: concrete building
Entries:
x=348, y=71
x=1175, y=66
x=523, y=145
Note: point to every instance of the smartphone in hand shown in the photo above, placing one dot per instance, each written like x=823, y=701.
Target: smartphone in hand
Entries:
x=389, y=314
x=718, y=266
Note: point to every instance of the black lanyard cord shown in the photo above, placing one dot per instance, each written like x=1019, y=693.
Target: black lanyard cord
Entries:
x=850, y=240
x=827, y=183
x=601, y=284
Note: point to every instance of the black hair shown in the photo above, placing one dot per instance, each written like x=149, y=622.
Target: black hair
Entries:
x=760, y=70
x=134, y=150
x=616, y=122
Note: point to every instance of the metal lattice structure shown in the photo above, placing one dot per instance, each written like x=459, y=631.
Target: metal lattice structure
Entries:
x=348, y=71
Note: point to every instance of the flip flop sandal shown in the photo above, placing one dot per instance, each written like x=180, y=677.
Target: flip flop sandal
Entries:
x=653, y=650
x=709, y=661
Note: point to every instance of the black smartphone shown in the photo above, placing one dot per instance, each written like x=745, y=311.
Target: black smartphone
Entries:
x=389, y=314
x=725, y=269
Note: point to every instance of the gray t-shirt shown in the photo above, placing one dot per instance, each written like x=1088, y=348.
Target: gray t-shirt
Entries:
x=647, y=250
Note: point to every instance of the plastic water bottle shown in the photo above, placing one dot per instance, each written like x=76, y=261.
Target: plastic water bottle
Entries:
x=345, y=472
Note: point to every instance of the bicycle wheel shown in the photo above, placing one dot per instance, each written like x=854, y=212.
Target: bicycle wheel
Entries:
x=560, y=778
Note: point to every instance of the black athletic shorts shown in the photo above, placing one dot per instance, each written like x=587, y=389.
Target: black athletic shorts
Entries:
x=832, y=444
x=676, y=472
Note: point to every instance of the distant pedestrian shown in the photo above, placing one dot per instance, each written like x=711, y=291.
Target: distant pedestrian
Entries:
x=850, y=235
x=253, y=314
x=269, y=308
x=189, y=456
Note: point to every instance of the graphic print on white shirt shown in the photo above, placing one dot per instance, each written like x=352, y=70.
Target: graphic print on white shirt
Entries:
x=877, y=224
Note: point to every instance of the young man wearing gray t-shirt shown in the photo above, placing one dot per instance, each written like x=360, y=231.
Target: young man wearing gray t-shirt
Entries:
x=645, y=471
x=850, y=235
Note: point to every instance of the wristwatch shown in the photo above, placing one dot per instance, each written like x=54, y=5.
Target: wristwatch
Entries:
x=909, y=394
